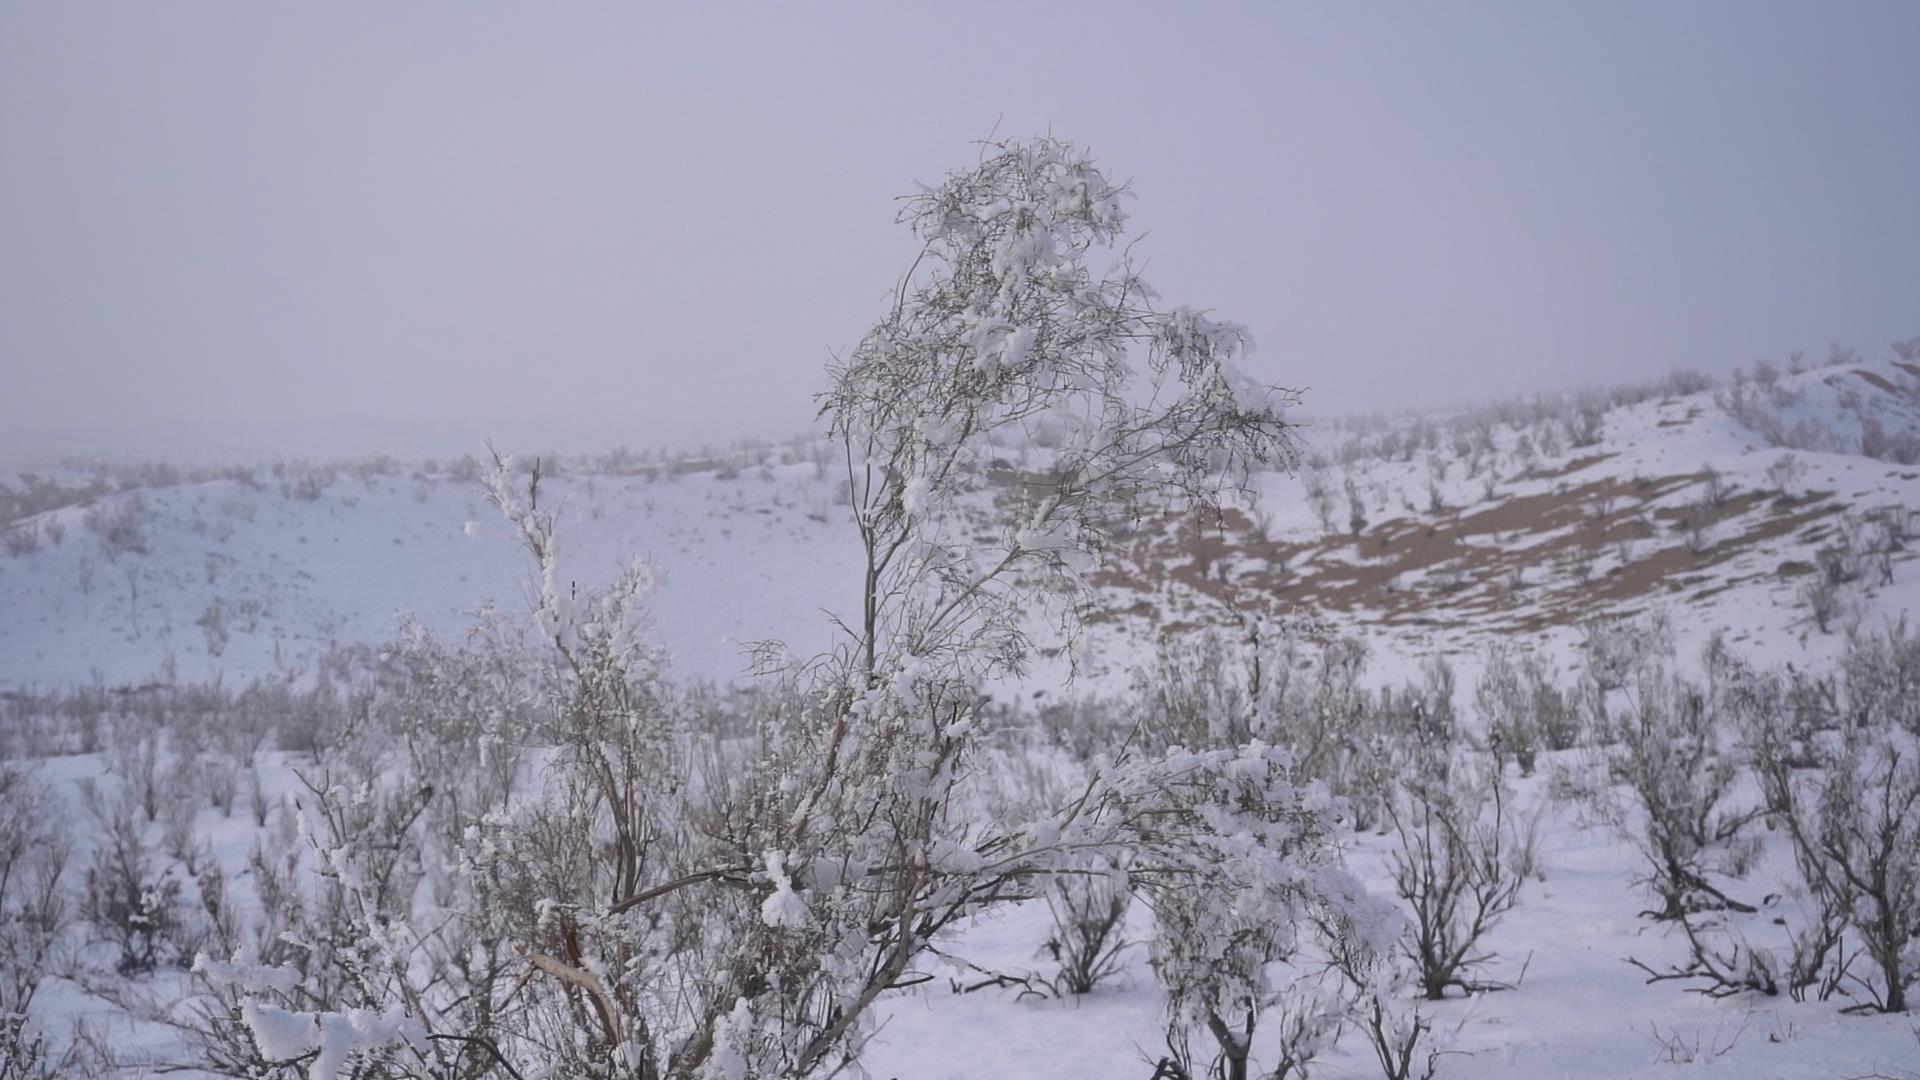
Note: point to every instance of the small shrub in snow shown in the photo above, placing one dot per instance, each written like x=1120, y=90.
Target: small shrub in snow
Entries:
x=1881, y=672
x=1821, y=598
x=131, y=898
x=1785, y=474
x=1718, y=489
x=23, y=539
x=1458, y=860
x=1671, y=767
x=1856, y=831
x=1849, y=801
x=33, y=916
x=1089, y=912
x=1506, y=710
x=120, y=525
x=213, y=625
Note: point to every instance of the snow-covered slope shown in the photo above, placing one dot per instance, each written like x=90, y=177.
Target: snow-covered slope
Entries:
x=288, y=576
x=1676, y=502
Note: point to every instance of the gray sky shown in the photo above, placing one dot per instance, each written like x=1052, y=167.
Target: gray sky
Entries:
x=573, y=225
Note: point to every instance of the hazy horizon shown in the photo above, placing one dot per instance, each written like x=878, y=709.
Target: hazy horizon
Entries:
x=439, y=225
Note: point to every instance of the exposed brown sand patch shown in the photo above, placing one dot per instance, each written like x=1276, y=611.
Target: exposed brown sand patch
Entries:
x=1481, y=566
x=1879, y=382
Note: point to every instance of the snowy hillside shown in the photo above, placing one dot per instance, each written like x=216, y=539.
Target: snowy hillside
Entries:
x=1705, y=502
x=1773, y=517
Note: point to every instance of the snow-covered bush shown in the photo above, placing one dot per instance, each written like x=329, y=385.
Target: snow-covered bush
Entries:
x=1881, y=671
x=1845, y=787
x=131, y=899
x=1856, y=830
x=1506, y=710
x=120, y=525
x=1785, y=474
x=1669, y=761
x=1459, y=856
x=22, y=539
x=1089, y=912
x=1822, y=600
x=33, y=916
x=1225, y=690
x=1219, y=932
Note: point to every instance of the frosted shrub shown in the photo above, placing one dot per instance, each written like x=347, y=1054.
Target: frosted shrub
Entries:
x=1785, y=474
x=1458, y=860
x=1849, y=802
x=1523, y=707
x=33, y=915
x=1882, y=675
x=22, y=539
x=1216, y=941
x=1225, y=690
x=119, y=525
x=131, y=899
x=1089, y=912
x=1669, y=759
x=1614, y=649
x=1506, y=709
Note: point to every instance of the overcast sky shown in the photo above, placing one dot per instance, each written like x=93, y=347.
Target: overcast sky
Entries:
x=578, y=224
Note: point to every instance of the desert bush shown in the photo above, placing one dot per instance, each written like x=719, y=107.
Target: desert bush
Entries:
x=1588, y=421
x=33, y=917
x=119, y=525
x=1821, y=598
x=1458, y=859
x=213, y=625
x=1856, y=831
x=1881, y=675
x=1671, y=765
x=23, y=539
x=1614, y=650
x=130, y=898
x=1785, y=474
x=1507, y=710
x=1848, y=798
x=1089, y=911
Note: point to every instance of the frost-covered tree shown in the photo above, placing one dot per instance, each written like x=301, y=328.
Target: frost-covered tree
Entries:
x=1005, y=327
x=654, y=906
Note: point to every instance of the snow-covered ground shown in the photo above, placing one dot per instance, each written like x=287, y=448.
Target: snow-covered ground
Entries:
x=1675, y=505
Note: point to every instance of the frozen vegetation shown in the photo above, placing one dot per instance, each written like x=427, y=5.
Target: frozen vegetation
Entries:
x=1071, y=705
